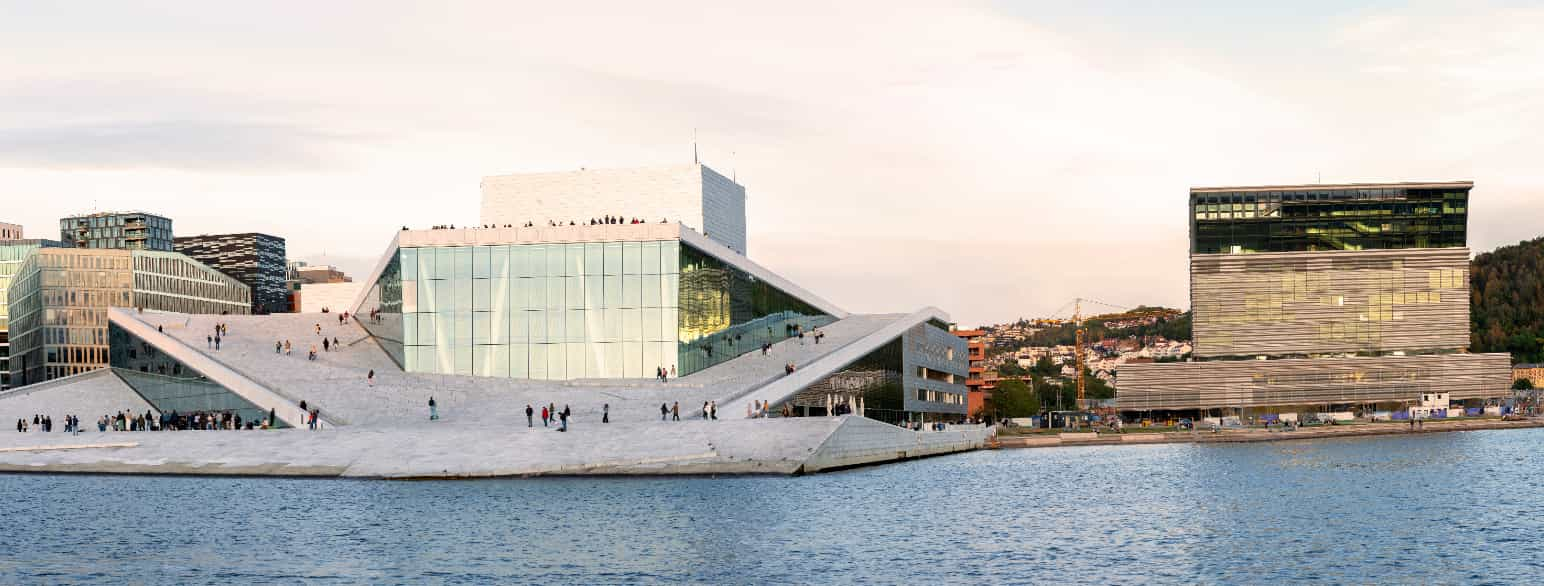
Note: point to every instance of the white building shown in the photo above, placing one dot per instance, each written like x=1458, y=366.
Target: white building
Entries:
x=694, y=195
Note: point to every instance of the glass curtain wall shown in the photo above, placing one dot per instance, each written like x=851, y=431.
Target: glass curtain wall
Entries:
x=543, y=311
x=1311, y=220
x=381, y=311
x=169, y=385
x=726, y=312
x=574, y=310
x=876, y=377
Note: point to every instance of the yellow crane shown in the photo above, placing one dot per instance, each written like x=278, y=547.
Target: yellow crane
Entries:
x=1078, y=351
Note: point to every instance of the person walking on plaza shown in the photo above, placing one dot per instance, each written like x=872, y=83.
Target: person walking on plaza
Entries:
x=326, y=346
x=704, y=410
x=528, y=412
x=545, y=416
x=713, y=410
x=208, y=341
x=664, y=411
x=370, y=378
x=675, y=411
x=278, y=347
x=564, y=417
x=434, y=409
x=217, y=343
x=605, y=413
x=287, y=347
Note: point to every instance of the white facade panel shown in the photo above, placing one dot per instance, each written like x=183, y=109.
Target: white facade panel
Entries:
x=691, y=194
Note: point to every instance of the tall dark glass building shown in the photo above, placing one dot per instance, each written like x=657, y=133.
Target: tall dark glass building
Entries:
x=257, y=260
x=121, y=230
x=1347, y=297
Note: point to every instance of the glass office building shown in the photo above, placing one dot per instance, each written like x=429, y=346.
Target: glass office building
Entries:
x=257, y=260
x=12, y=254
x=1240, y=220
x=59, y=299
x=571, y=310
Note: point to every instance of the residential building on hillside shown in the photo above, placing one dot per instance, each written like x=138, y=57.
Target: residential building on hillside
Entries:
x=1533, y=372
x=1324, y=296
x=257, y=260
x=120, y=230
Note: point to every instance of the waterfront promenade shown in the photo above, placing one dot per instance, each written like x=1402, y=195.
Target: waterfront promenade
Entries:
x=1254, y=434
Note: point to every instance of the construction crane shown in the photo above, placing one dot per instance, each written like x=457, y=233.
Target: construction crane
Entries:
x=1080, y=332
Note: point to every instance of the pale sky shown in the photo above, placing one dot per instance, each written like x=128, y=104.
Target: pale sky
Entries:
x=994, y=159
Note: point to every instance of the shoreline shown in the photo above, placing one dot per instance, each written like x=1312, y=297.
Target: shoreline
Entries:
x=1257, y=435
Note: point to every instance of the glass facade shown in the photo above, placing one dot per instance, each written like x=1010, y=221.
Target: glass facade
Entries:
x=168, y=384
x=12, y=254
x=1328, y=218
x=59, y=299
x=725, y=312
x=571, y=310
x=876, y=377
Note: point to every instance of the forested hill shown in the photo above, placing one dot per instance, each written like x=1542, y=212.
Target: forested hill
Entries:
x=1507, y=301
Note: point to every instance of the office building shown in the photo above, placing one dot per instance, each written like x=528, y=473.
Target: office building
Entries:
x=257, y=260
x=117, y=230
x=314, y=274
x=12, y=254
x=694, y=195
x=1324, y=296
x=58, y=301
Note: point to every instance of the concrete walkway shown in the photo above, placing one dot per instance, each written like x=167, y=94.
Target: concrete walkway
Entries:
x=433, y=450
x=336, y=381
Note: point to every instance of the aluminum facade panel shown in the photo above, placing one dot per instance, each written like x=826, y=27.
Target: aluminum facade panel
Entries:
x=1315, y=381
x=1312, y=303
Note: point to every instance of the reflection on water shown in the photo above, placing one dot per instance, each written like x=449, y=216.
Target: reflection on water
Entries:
x=1442, y=508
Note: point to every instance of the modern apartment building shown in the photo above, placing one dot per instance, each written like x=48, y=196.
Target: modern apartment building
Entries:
x=121, y=230
x=1324, y=295
x=979, y=391
x=12, y=254
x=58, y=302
x=257, y=260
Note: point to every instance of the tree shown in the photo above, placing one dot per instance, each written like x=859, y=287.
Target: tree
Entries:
x=1013, y=398
x=1506, y=299
x=1522, y=384
x=1095, y=388
x=1044, y=367
x=1011, y=369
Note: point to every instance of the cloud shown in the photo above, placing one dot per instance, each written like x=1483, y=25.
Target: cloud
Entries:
x=228, y=147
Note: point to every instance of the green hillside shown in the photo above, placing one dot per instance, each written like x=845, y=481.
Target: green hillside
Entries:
x=1507, y=301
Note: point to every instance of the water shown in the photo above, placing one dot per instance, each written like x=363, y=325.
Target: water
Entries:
x=1438, y=508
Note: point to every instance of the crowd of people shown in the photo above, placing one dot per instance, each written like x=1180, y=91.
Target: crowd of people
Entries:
x=147, y=421
x=600, y=221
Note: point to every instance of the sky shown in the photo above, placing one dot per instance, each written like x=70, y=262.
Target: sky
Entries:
x=993, y=159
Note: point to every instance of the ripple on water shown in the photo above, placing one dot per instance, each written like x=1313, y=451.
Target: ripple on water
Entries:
x=1445, y=508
